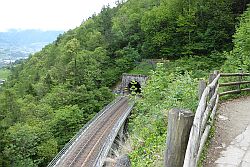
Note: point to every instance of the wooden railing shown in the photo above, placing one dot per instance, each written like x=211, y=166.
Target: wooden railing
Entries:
x=204, y=118
x=201, y=127
x=238, y=83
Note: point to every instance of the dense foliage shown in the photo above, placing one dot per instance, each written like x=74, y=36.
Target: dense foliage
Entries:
x=4, y=73
x=172, y=87
x=49, y=96
x=239, y=57
x=164, y=91
x=174, y=28
x=56, y=91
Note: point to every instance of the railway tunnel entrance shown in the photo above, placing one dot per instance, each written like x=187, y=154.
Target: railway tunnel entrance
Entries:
x=134, y=87
x=132, y=83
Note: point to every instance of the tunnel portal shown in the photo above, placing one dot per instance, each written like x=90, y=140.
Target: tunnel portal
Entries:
x=132, y=83
x=134, y=87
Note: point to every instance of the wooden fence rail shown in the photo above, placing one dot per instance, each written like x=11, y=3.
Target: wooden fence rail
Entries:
x=205, y=113
x=197, y=134
x=238, y=83
x=234, y=74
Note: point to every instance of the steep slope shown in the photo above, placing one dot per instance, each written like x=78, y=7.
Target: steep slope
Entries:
x=57, y=90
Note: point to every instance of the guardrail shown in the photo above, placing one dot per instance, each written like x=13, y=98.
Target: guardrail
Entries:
x=204, y=117
x=81, y=131
x=111, y=137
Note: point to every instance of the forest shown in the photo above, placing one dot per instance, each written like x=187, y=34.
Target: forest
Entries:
x=51, y=95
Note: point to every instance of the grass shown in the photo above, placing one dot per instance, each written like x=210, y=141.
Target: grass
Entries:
x=143, y=68
x=4, y=73
x=148, y=123
x=206, y=147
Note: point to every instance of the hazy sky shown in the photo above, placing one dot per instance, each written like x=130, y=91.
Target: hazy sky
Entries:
x=47, y=14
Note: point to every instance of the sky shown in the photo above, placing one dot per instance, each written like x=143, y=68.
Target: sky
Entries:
x=47, y=14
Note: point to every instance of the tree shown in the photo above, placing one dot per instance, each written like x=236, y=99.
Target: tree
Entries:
x=178, y=28
x=26, y=144
x=66, y=122
x=126, y=23
x=239, y=57
x=72, y=47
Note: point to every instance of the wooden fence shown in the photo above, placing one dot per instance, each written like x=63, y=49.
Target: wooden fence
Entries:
x=204, y=116
x=238, y=83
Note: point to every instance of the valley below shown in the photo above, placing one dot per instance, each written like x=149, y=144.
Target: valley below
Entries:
x=19, y=44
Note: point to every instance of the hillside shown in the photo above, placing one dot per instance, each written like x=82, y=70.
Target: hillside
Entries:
x=53, y=93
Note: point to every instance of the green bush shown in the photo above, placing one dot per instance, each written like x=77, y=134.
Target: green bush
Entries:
x=239, y=58
x=148, y=125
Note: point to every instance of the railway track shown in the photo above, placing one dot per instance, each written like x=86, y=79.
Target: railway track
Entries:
x=85, y=151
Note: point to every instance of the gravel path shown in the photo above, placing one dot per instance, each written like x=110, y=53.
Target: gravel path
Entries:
x=230, y=146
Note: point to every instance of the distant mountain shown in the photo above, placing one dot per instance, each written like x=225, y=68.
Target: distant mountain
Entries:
x=27, y=37
x=19, y=44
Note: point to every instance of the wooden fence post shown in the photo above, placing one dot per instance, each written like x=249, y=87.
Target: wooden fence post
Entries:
x=201, y=88
x=210, y=80
x=216, y=72
x=240, y=79
x=179, y=126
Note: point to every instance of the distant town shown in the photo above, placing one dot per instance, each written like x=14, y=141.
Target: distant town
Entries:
x=16, y=45
x=11, y=54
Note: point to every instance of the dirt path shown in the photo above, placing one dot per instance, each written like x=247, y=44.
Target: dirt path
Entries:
x=230, y=146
